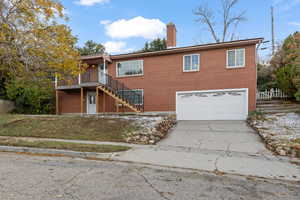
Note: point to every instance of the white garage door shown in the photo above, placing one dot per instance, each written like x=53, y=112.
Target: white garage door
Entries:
x=229, y=104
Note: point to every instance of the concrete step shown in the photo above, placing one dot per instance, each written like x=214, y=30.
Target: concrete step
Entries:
x=279, y=110
x=280, y=107
x=274, y=102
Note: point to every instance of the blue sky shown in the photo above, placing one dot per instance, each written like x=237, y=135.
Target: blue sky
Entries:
x=125, y=25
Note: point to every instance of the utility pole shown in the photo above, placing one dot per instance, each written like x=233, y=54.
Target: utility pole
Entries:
x=273, y=30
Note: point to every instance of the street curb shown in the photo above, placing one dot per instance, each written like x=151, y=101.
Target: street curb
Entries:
x=77, y=141
x=57, y=152
x=115, y=157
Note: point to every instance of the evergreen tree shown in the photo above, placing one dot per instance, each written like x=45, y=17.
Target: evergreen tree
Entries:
x=155, y=45
x=91, y=48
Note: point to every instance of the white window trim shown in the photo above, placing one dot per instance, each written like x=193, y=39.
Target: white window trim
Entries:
x=117, y=74
x=137, y=90
x=191, y=70
x=236, y=66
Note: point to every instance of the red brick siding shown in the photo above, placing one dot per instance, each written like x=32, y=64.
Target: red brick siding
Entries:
x=163, y=76
x=70, y=102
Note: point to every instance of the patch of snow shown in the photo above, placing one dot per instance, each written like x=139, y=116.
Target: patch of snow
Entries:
x=283, y=126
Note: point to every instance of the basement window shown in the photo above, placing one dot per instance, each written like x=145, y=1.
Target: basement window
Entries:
x=191, y=63
x=135, y=96
x=236, y=58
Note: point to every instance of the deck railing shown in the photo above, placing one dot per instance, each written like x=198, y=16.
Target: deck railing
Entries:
x=68, y=81
x=271, y=94
x=90, y=76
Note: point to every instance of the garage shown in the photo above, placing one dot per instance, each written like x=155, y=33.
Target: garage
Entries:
x=228, y=104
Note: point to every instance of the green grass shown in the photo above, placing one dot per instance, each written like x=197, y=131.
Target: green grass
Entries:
x=66, y=127
x=297, y=140
x=63, y=145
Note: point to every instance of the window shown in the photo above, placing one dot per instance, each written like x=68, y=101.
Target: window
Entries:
x=134, y=96
x=92, y=99
x=236, y=58
x=130, y=68
x=191, y=62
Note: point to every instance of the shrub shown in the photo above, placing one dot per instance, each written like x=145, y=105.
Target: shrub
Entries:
x=256, y=115
x=285, y=76
x=297, y=95
x=31, y=97
x=265, y=77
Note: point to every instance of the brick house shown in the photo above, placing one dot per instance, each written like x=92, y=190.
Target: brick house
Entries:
x=204, y=82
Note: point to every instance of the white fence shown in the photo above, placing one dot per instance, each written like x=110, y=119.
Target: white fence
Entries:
x=271, y=94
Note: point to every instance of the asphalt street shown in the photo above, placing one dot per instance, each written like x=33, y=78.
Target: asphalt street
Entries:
x=24, y=177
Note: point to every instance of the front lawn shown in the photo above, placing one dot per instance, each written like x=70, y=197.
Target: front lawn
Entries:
x=67, y=127
x=63, y=145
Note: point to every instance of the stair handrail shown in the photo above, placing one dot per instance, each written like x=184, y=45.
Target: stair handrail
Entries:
x=119, y=89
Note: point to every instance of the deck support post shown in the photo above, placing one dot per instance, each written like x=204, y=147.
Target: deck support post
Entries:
x=57, y=102
x=81, y=101
x=97, y=99
x=117, y=106
x=103, y=102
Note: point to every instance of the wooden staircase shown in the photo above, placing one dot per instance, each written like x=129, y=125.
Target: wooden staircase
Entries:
x=121, y=100
x=114, y=87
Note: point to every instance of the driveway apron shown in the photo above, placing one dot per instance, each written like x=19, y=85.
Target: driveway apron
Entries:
x=232, y=136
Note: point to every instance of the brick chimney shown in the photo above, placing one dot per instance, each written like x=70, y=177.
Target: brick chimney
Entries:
x=171, y=35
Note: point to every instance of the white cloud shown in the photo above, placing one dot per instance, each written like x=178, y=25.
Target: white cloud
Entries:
x=285, y=5
x=105, y=22
x=136, y=27
x=294, y=24
x=116, y=47
x=91, y=2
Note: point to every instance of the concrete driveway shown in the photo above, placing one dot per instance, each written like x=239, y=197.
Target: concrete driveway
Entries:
x=232, y=136
x=223, y=146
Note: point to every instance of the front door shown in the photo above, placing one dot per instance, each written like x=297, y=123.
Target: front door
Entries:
x=91, y=103
x=102, y=73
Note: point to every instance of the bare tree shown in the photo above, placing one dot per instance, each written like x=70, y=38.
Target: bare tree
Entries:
x=229, y=20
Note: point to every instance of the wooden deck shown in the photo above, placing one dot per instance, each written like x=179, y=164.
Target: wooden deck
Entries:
x=78, y=86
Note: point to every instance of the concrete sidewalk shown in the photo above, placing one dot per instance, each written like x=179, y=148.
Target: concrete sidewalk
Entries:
x=212, y=160
x=227, y=162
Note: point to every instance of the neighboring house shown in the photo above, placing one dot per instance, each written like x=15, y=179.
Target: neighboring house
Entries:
x=203, y=82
